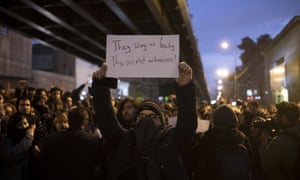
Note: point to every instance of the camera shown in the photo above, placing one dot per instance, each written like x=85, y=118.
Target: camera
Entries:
x=107, y=82
x=265, y=124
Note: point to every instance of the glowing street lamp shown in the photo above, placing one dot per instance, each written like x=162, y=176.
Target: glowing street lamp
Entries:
x=224, y=45
x=223, y=73
x=220, y=87
x=227, y=45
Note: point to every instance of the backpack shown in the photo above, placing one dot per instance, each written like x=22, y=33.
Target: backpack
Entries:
x=296, y=172
x=231, y=161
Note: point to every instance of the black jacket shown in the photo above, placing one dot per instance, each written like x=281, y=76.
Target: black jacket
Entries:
x=204, y=152
x=74, y=154
x=124, y=163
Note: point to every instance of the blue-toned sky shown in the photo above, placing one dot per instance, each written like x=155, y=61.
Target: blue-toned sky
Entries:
x=215, y=21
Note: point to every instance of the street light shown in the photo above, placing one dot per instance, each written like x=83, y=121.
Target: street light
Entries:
x=220, y=87
x=225, y=45
x=222, y=72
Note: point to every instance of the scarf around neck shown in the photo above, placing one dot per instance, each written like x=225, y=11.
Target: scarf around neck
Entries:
x=149, y=134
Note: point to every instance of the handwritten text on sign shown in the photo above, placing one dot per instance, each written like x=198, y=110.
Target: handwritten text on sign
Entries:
x=142, y=56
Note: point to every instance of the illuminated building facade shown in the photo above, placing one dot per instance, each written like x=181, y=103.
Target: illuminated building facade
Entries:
x=282, y=60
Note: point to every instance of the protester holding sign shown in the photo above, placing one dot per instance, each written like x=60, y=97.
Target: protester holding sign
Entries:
x=152, y=150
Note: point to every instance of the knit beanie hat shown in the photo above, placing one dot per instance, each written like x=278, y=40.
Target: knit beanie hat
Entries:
x=153, y=106
x=224, y=116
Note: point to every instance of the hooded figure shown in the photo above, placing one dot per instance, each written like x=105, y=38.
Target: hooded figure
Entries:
x=17, y=126
x=220, y=143
x=150, y=122
x=152, y=150
x=224, y=117
x=14, y=148
x=151, y=128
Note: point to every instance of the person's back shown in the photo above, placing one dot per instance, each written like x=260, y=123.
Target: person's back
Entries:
x=74, y=154
x=224, y=151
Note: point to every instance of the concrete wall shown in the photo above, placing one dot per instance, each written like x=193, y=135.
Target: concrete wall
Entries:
x=16, y=64
x=15, y=58
x=64, y=63
x=43, y=79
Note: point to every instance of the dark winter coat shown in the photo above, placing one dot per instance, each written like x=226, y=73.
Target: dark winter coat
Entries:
x=282, y=154
x=14, y=151
x=125, y=162
x=74, y=154
x=204, y=151
x=14, y=158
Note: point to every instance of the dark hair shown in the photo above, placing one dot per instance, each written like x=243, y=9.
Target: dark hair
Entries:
x=12, y=131
x=66, y=95
x=30, y=88
x=290, y=110
x=40, y=90
x=13, y=107
x=122, y=105
x=224, y=117
x=239, y=102
x=77, y=116
x=38, y=94
x=55, y=89
x=253, y=104
x=22, y=98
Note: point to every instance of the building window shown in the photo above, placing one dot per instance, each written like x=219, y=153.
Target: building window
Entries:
x=65, y=69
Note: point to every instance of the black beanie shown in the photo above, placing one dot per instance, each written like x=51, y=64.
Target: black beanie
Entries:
x=153, y=106
x=224, y=116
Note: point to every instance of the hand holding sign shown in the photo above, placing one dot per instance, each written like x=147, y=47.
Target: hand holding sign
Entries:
x=185, y=75
x=142, y=56
x=104, y=81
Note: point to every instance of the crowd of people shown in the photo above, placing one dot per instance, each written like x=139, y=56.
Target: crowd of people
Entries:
x=53, y=134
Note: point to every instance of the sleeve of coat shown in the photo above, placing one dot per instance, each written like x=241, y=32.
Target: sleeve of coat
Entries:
x=12, y=152
x=105, y=115
x=187, y=116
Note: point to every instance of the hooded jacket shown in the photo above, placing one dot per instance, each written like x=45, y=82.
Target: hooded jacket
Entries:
x=223, y=134
x=166, y=156
x=14, y=150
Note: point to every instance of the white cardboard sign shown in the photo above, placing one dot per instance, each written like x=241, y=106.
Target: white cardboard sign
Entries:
x=203, y=125
x=152, y=56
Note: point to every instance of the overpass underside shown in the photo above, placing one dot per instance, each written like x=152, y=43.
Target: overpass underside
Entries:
x=80, y=26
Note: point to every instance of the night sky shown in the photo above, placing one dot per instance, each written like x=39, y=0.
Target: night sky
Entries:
x=215, y=21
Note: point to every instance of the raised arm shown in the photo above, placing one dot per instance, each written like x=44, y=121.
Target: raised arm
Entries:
x=105, y=115
x=186, y=102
